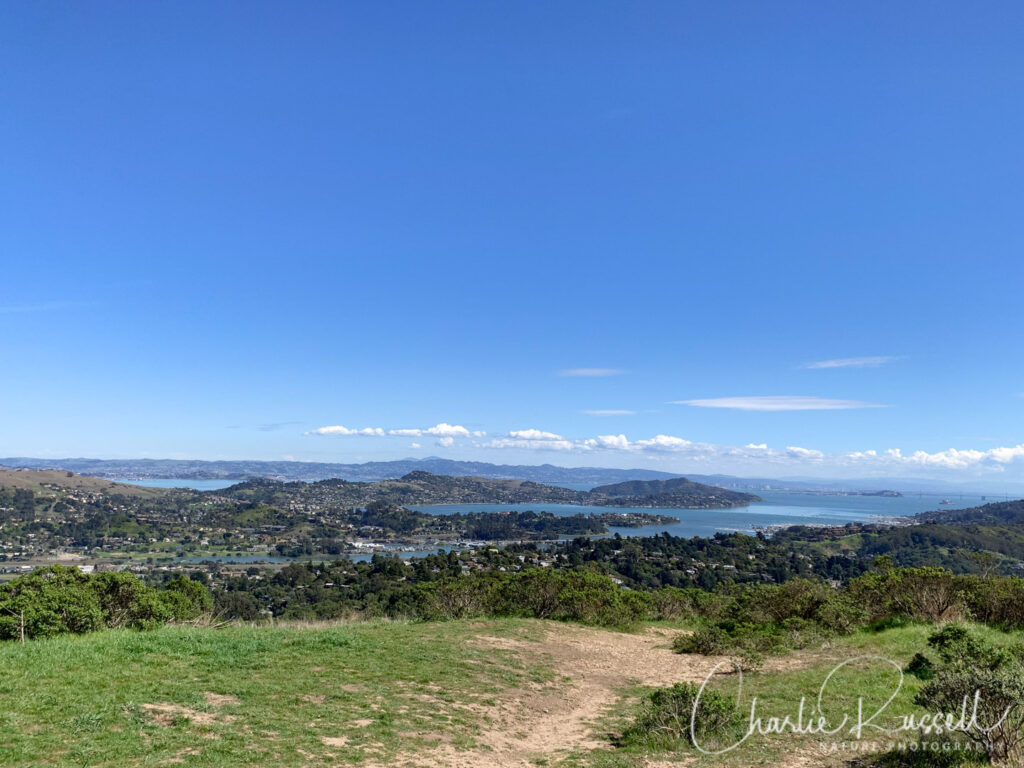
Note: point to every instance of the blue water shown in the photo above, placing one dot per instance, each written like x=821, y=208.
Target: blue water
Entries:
x=778, y=508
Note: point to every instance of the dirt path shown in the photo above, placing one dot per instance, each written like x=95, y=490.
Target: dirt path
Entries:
x=537, y=725
x=548, y=721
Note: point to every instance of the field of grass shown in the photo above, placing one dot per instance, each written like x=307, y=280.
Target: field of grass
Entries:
x=284, y=696
x=390, y=693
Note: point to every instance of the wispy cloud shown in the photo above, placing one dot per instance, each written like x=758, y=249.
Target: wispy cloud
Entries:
x=851, y=362
x=276, y=425
x=610, y=412
x=590, y=372
x=778, y=403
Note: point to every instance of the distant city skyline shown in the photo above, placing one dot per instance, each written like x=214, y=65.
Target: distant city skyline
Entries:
x=762, y=240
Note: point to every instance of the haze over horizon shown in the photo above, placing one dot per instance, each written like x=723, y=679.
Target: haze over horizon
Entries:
x=778, y=241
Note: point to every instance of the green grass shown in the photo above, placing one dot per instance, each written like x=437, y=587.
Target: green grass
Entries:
x=299, y=696
x=346, y=694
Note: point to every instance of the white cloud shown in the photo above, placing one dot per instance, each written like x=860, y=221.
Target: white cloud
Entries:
x=754, y=455
x=542, y=445
x=851, y=362
x=340, y=430
x=533, y=434
x=610, y=412
x=750, y=457
x=415, y=445
x=1006, y=455
x=440, y=430
x=531, y=439
x=590, y=372
x=806, y=454
x=994, y=459
x=662, y=443
x=778, y=403
x=611, y=442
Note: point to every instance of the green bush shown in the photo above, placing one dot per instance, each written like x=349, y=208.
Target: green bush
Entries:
x=926, y=594
x=973, y=671
x=996, y=601
x=707, y=641
x=750, y=642
x=457, y=598
x=186, y=599
x=675, y=603
x=671, y=717
x=236, y=605
x=127, y=602
x=921, y=667
x=49, y=601
x=57, y=600
x=583, y=596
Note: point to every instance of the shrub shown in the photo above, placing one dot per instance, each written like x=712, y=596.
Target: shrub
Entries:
x=127, y=602
x=186, y=599
x=958, y=646
x=669, y=717
x=456, y=598
x=237, y=605
x=53, y=600
x=675, y=602
x=921, y=667
x=750, y=642
x=534, y=593
x=671, y=603
x=57, y=600
x=995, y=601
x=928, y=594
x=973, y=672
x=707, y=641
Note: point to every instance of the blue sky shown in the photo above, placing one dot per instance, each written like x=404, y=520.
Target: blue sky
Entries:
x=225, y=226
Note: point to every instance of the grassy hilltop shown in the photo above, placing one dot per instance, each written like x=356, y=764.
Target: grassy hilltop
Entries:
x=468, y=693
x=52, y=482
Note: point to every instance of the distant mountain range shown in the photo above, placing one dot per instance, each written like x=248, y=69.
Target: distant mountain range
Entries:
x=141, y=469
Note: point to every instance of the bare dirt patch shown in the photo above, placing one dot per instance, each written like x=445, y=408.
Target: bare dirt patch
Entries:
x=164, y=713
x=220, y=699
